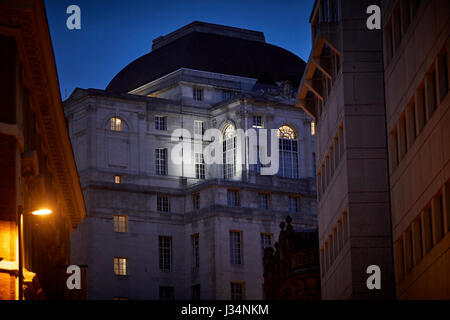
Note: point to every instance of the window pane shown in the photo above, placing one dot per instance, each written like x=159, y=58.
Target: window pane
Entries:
x=235, y=247
x=165, y=252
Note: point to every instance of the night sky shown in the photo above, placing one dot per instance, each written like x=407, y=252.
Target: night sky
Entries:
x=116, y=32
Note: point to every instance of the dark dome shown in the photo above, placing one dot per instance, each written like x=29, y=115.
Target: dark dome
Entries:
x=213, y=53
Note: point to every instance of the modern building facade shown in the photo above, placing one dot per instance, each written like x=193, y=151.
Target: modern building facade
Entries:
x=416, y=73
x=163, y=222
x=386, y=85
x=36, y=160
x=342, y=88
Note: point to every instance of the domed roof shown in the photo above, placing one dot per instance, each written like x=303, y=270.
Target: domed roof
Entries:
x=217, y=51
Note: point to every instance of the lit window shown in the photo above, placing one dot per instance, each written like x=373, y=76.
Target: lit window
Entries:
x=266, y=241
x=233, y=198
x=120, y=266
x=198, y=128
x=263, y=201
x=237, y=291
x=121, y=298
x=199, y=166
x=117, y=179
x=161, y=161
x=165, y=252
x=197, y=94
x=235, y=247
x=120, y=223
x=229, y=152
x=293, y=204
x=163, y=203
x=257, y=122
x=160, y=123
x=115, y=124
x=288, y=152
x=195, y=251
x=166, y=293
x=196, y=201
x=313, y=128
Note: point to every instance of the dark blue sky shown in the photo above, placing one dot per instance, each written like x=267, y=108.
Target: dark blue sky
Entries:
x=116, y=32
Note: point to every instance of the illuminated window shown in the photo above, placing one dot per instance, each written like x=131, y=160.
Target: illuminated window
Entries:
x=121, y=298
x=196, y=201
x=288, y=152
x=120, y=223
x=235, y=247
x=257, y=122
x=313, y=128
x=229, y=152
x=115, y=124
x=263, y=200
x=237, y=291
x=160, y=123
x=165, y=252
x=166, y=293
x=233, y=198
x=195, y=251
x=163, y=204
x=117, y=179
x=266, y=241
x=120, y=266
x=199, y=166
x=161, y=161
x=197, y=94
x=198, y=128
x=293, y=204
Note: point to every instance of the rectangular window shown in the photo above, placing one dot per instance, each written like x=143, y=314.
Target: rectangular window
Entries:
x=236, y=247
x=116, y=124
x=120, y=223
x=197, y=94
x=196, y=292
x=226, y=95
x=402, y=137
x=394, y=149
x=431, y=93
x=237, y=291
x=293, y=204
x=162, y=204
x=120, y=266
x=161, y=161
x=421, y=108
x=165, y=252
x=417, y=241
x=257, y=121
x=313, y=128
x=198, y=128
x=266, y=242
x=195, y=251
x=438, y=217
x=428, y=230
x=443, y=75
x=160, y=123
x=263, y=200
x=409, y=263
x=411, y=124
x=233, y=198
x=117, y=179
x=199, y=166
x=196, y=201
x=166, y=293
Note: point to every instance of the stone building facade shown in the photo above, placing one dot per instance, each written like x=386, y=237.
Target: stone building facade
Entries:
x=342, y=88
x=380, y=98
x=36, y=160
x=416, y=73
x=292, y=269
x=162, y=222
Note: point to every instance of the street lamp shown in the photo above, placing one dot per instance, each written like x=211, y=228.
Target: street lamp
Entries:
x=20, y=213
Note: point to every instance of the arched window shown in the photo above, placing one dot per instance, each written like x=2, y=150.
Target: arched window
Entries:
x=229, y=152
x=115, y=124
x=288, y=152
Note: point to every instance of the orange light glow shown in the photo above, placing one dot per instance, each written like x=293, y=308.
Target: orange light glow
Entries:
x=42, y=212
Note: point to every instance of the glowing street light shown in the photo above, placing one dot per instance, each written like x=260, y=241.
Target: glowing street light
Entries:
x=20, y=214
